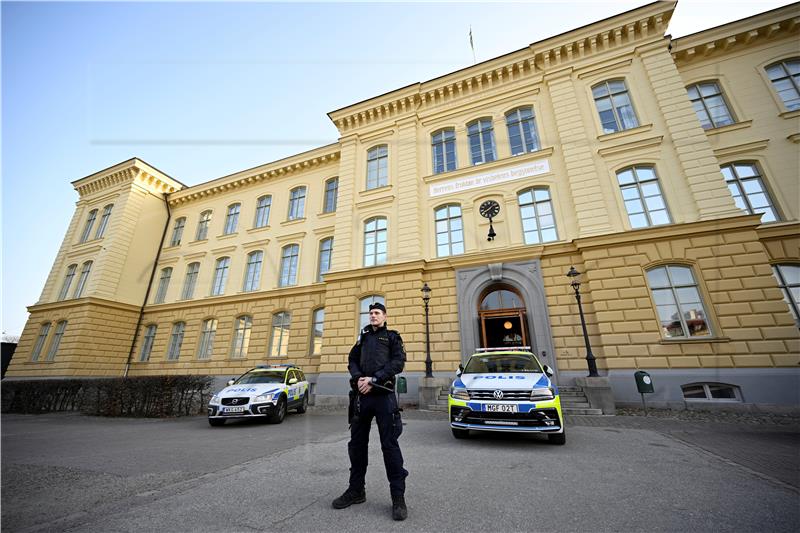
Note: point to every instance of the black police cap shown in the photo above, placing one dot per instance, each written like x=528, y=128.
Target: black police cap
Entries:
x=377, y=305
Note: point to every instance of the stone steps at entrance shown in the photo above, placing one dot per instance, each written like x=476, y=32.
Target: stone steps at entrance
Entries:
x=568, y=412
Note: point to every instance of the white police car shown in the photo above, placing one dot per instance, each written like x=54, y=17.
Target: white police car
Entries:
x=505, y=390
x=264, y=392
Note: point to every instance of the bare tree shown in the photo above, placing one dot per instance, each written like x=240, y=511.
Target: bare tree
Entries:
x=14, y=339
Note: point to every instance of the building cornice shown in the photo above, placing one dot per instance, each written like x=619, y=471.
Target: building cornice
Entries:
x=82, y=302
x=130, y=171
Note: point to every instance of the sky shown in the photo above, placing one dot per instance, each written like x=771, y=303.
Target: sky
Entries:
x=200, y=90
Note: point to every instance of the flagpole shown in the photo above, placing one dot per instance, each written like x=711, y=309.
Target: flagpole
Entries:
x=472, y=45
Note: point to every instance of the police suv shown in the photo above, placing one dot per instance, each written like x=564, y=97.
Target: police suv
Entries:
x=505, y=390
x=264, y=392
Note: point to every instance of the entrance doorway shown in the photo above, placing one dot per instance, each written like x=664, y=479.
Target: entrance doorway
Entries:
x=503, y=321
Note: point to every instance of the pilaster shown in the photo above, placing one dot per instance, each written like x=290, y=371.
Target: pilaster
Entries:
x=408, y=193
x=343, y=240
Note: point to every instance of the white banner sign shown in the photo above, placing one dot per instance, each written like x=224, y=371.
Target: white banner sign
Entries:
x=491, y=178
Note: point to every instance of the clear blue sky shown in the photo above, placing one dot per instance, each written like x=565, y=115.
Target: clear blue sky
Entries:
x=201, y=90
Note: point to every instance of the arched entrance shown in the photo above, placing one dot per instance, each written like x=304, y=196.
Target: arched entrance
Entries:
x=503, y=320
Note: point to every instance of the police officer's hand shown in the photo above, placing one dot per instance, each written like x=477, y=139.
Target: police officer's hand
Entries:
x=364, y=385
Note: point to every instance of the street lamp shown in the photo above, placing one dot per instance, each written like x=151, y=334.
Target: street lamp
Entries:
x=426, y=297
x=575, y=276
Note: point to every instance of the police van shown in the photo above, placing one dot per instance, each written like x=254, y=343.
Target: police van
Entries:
x=505, y=390
x=266, y=391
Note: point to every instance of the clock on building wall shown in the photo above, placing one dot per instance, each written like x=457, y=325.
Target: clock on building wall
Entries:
x=489, y=209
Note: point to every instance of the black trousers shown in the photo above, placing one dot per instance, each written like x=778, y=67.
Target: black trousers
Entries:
x=384, y=409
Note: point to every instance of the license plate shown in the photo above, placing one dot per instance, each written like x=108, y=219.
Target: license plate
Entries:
x=501, y=407
x=239, y=409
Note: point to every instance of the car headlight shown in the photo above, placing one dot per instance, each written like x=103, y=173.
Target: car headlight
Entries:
x=214, y=400
x=542, y=393
x=263, y=398
x=459, y=393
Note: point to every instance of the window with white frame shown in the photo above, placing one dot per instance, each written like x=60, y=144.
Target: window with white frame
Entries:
x=788, y=276
x=378, y=166
x=207, y=334
x=241, y=336
x=62, y=294
x=297, y=203
x=375, y=241
x=87, y=228
x=202, y=226
x=101, y=228
x=232, y=219
x=680, y=308
x=363, y=309
x=325, y=251
x=536, y=212
x=443, y=145
x=44, y=330
x=147, y=343
x=189, y=282
x=449, y=230
x=177, y=232
x=522, y=134
x=279, y=341
x=263, y=205
x=220, y=276
x=614, y=106
x=175, y=341
x=290, y=255
x=709, y=104
x=317, y=328
x=56, y=342
x=785, y=78
x=331, y=194
x=747, y=187
x=252, y=275
x=712, y=391
x=641, y=193
x=163, y=285
x=79, y=288
x=480, y=135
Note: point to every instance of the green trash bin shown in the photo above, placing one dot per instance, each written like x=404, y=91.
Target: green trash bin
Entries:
x=644, y=383
x=402, y=386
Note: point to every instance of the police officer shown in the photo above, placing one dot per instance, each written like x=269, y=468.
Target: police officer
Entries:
x=377, y=357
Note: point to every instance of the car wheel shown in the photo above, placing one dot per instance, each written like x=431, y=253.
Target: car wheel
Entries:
x=557, y=438
x=216, y=422
x=460, y=433
x=303, y=405
x=280, y=411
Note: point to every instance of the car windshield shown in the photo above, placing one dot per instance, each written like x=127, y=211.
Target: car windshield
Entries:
x=518, y=362
x=261, y=376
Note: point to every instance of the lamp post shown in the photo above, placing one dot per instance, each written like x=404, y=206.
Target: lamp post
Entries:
x=426, y=297
x=575, y=276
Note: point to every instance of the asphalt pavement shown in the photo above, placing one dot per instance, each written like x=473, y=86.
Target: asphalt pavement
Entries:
x=68, y=472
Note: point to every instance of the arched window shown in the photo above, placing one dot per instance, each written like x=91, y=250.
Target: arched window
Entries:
x=202, y=226
x=220, y=276
x=325, y=251
x=177, y=231
x=377, y=166
x=290, y=255
x=317, y=328
x=147, y=342
x=680, y=308
x=252, y=276
x=62, y=295
x=101, y=228
x=785, y=78
x=480, y=134
x=449, y=230
x=501, y=299
x=207, y=334
x=375, y=245
x=522, y=134
x=192, y=271
x=297, y=203
x=614, y=106
x=749, y=192
x=241, y=336
x=536, y=212
x=40, y=340
x=709, y=104
x=642, y=196
x=87, y=228
x=443, y=143
x=788, y=276
x=232, y=219
x=163, y=285
x=263, y=205
x=56, y=342
x=363, y=309
x=279, y=341
x=331, y=193
x=175, y=341
x=85, y=270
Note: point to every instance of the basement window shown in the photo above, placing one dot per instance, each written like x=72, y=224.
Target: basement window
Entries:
x=718, y=392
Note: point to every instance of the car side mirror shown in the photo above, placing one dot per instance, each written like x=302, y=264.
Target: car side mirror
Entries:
x=231, y=382
x=548, y=370
x=460, y=370
x=293, y=381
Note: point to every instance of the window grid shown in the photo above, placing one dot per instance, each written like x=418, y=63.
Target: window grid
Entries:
x=378, y=167
x=192, y=271
x=444, y=150
x=101, y=228
x=289, y=259
x=202, y=226
x=789, y=282
x=297, y=203
x=317, y=328
x=375, y=246
x=232, y=219
x=681, y=313
x=747, y=187
x=481, y=141
x=263, y=205
x=279, y=343
x=241, y=337
x=325, y=251
x=175, y=341
x=56, y=342
x=40, y=340
x=522, y=134
x=220, y=276
x=331, y=194
x=449, y=230
x=614, y=106
x=363, y=314
x=710, y=105
x=147, y=343
x=177, y=232
x=207, y=335
x=252, y=278
x=785, y=78
x=87, y=228
x=163, y=285
x=538, y=219
x=62, y=295
x=87, y=267
x=642, y=196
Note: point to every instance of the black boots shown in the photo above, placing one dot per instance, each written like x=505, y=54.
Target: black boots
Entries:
x=399, y=510
x=349, y=497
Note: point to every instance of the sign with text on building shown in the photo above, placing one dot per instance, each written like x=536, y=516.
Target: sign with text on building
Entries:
x=491, y=178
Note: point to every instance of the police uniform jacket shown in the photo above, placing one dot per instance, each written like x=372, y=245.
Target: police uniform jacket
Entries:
x=378, y=353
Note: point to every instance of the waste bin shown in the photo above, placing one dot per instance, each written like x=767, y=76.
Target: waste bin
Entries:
x=402, y=386
x=644, y=383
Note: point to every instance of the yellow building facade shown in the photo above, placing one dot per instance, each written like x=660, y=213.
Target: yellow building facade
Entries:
x=665, y=170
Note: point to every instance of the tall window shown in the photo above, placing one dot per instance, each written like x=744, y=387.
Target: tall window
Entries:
x=279, y=342
x=62, y=294
x=192, y=270
x=297, y=203
x=317, y=327
x=325, y=251
x=642, y=196
x=263, y=205
x=709, y=104
x=87, y=228
x=232, y=219
x=177, y=231
x=40, y=340
x=481, y=141
x=207, y=334
x=614, y=106
x=522, y=134
x=241, y=337
x=785, y=78
x=163, y=285
x=147, y=342
x=101, y=229
x=375, y=241
x=444, y=150
x=449, y=230
x=175, y=341
x=56, y=342
x=378, y=167
x=220, y=276
x=289, y=257
x=789, y=282
x=536, y=212
x=747, y=187
x=677, y=298
x=363, y=309
x=202, y=226
x=331, y=193
x=252, y=276
x=85, y=269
